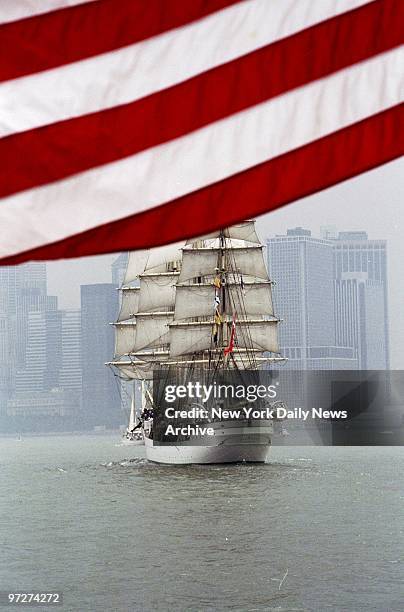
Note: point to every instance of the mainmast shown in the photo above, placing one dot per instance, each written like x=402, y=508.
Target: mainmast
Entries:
x=223, y=276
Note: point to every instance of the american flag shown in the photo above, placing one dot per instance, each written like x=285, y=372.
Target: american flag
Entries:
x=132, y=123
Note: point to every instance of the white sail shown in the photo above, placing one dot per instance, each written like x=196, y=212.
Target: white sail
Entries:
x=258, y=334
x=160, y=257
x=197, y=300
x=136, y=265
x=253, y=299
x=152, y=260
x=248, y=261
x=157, y=291
x=152, y=329
x=129, y=304
x=169, y=319
x=240, y=231
x=125, y=335
x=185, y=339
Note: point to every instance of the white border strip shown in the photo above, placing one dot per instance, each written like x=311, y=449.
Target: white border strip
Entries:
x=14, y=10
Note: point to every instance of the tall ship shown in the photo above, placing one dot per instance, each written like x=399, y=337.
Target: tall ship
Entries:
x=202, y=305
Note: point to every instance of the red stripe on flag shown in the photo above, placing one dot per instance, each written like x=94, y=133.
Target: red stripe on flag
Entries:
x=74, y=33
x=299, y=173
x=69, y=147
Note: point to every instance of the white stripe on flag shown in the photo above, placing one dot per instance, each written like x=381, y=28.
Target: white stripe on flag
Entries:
x=221, y=149
x=135, y=71
x=13, y=10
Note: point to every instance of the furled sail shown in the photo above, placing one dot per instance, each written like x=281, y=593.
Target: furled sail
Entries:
x=198, y=262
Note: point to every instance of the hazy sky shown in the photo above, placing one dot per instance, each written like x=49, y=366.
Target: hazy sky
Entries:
x=373, y=202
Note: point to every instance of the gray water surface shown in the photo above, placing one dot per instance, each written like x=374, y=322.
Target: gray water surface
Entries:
x=95, y=520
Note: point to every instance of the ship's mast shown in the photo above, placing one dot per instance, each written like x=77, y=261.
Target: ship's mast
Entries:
x=182, y=313
x=222, y=266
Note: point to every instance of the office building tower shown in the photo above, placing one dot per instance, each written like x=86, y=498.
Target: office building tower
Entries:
x=302, y=267
x=32, y=275
x=5, y=382
x=70, y=373
x=100, y=396
x=14, y=282
x=118, y=269
x=43, y=359
x=361, y=294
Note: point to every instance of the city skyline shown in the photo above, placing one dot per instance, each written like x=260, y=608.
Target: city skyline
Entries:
x=330, y=292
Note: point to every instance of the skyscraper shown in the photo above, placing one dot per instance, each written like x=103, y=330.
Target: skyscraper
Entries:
x=70, y=378
x=43, y=360
x=332, y=295
x=17, y=283
x=5, y=373
x=360, y=271
x=118, y=269
x=302, y=267
x=100, y=396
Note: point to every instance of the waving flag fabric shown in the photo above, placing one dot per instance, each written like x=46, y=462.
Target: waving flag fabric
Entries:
x=130, y=124
x=230, y=347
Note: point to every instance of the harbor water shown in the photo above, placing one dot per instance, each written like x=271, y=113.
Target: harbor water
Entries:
x=313, y=529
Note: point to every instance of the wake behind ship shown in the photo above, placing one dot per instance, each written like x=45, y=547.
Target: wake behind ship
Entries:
x=204, y=305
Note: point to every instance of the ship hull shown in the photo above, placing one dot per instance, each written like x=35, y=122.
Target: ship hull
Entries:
x=126, y=442
x=232, y=444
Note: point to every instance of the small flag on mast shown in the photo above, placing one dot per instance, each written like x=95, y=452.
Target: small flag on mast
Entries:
x=230, y=347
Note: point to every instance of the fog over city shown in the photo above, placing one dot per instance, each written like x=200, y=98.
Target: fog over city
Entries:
x=372, y=202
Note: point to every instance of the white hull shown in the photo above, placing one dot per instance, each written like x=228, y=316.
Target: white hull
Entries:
x=126, y=442
x=230, y=444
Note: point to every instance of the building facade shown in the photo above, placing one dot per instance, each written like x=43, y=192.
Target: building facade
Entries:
x=70, y=375
x=361, y=294
x=15, y=282
x=100, y=389
x=302, y=268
